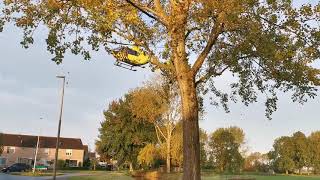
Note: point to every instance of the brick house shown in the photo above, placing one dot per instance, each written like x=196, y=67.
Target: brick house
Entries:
x=21, y=149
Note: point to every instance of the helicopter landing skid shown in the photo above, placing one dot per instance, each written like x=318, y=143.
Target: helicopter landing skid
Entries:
x=125, y=66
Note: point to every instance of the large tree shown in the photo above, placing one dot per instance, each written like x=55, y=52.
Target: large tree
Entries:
x=204, y=148
x=177, y=147
x=252, y=161
x=294, y=152
x=269, y=45
x=121, y=135
x=314, y=140
x=225, y=149
x=158, y=102
x=302, y=153
x=282, y=154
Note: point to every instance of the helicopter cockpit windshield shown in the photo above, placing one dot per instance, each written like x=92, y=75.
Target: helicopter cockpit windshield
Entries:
x=132, y=52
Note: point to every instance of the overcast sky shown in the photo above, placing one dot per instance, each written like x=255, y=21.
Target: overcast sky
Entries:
x=30, y=97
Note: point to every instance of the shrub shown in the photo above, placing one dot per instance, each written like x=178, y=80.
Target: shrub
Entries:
x=61, y=164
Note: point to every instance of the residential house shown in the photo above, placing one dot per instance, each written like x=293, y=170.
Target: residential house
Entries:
x=21, y=149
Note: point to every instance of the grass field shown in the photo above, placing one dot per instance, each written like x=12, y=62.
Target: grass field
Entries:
x=124, y=176
x=35, y=174
x=104, y=176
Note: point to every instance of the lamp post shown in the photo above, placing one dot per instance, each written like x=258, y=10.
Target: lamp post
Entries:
x=59, y=128
x=36, y=154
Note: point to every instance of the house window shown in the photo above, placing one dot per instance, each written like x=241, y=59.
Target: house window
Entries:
x=10, y=150
x=2, y=161
x=46, y=151
x=69, y=152
x=71, y=163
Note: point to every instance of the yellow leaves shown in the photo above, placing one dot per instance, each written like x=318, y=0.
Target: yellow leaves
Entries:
x=148, y=155
x=7, y=2
x=54, y=4
x=24, y=21
x=147, y=104
x=279, y=55
x=311, y=51
x=177, y=146
x=89, y=3
x=306, y=10
x=229, y=12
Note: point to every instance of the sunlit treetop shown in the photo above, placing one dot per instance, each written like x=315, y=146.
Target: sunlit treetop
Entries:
x=268, y=44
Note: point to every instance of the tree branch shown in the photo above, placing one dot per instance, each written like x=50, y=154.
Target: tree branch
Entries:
x=189, y=31
x=119, y=43
x=160, y=142
x=210, y=73
x=161, y=132
x=148, y=12
x=160, y=9
x=283, y=27
x=215, y=32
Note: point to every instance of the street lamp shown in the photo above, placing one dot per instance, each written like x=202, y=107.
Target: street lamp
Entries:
x=59, y=127
x=36, y=154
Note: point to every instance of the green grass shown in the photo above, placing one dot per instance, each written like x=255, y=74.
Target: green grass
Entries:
x=177, y=176
x=91, y=172
x=104, y=176
x=35, y=174
x=260, y=177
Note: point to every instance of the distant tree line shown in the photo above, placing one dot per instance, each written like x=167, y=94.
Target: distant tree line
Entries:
x=143, y=130
x=292, y=154
x=134, y=142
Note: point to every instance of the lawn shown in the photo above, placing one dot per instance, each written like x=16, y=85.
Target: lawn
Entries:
x=277, y=177
x=104, y=176
x=35, y=174
x=125, y=176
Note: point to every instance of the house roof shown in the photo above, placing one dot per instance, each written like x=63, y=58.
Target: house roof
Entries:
x=19, y=140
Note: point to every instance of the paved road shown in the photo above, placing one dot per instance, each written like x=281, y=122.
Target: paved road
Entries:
x=12, y=177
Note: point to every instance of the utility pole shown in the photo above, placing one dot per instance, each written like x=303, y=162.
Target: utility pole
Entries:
x=59, y=128
x=36, y=154
x=35, y=157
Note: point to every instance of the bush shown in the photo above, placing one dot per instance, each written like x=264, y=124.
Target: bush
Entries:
x=148, y=156
x=87, y=163
x=61, y=164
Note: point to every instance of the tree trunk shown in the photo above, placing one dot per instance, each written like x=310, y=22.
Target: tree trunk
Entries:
x=169, y=150
x=189, y=101
x=130, y=167
x=287, y=172
x=191, y=145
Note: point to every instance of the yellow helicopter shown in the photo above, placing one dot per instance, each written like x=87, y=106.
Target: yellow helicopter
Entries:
x=129, y=58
